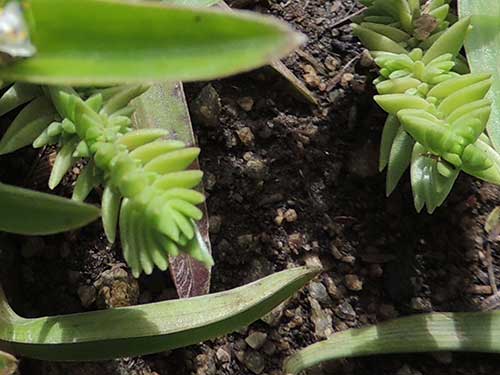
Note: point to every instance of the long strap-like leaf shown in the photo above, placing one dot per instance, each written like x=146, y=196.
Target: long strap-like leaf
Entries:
x=103, y=42
x=474, y=332
x=145, y=329
x=164, y=106
x=30, y=212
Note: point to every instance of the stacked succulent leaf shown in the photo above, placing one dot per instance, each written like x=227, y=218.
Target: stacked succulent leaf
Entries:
x=146, y=186
x=437, y=111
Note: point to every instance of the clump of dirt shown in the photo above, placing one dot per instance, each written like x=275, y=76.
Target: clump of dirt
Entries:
x=290, y=184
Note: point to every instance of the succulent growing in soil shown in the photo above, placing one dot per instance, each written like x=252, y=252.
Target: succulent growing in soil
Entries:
x=437, y=110
x=79, y=51
x=440, y=115
x=146, y=185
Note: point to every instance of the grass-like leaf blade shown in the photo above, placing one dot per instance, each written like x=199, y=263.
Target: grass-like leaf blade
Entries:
x=30, y=212
x=144, y=329
x=27, y=126
x=474, y=332
x=164, y=106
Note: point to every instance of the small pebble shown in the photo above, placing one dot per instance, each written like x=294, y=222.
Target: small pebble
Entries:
x=269, y=348
x=256, y=169
x=223, y=355
x=240, y=344
x=256, y=339
x=346, y=79
x=332, y=63
x=87, y=294
x=331, y=287
x=240, y=356
x=254, y=362
x=246, y=103
x=319, y=292
x=321, y=319
x=206, y=107
x=421, y=304
x=336, y=252
x=296, y=241
x=352, y=282
x=313, y=261
x=290, y=215
x=341, y=326
x=273, y=318
x=345, y=311
x=116, y=288
x=246, y=136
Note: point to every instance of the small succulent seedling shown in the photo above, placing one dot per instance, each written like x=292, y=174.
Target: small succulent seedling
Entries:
x=437, y=110
x=437, y=120
x=148, y=190
x=146, y=185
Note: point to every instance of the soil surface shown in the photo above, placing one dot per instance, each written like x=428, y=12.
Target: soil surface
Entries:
x=287, y=184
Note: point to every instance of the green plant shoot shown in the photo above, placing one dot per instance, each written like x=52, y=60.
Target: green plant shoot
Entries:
x=438, y=112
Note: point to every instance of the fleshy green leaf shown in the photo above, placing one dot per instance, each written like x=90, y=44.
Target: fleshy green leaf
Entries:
x=62, y=164
x=492, y=224
x=393, y=103
x=110, y=211
x=473, y=332
x=429, y=187
x=450, y=42
x=399, y=159
x=29, y=212
x=17, y=95
x=86, y=181
x=491, y=174
x=28, y=125
x=483, y=52
x=89, y=42
x=375, y=41
x=391, y=127
x=145, y=329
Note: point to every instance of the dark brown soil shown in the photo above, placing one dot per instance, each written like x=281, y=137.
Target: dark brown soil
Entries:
x=288, y=184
